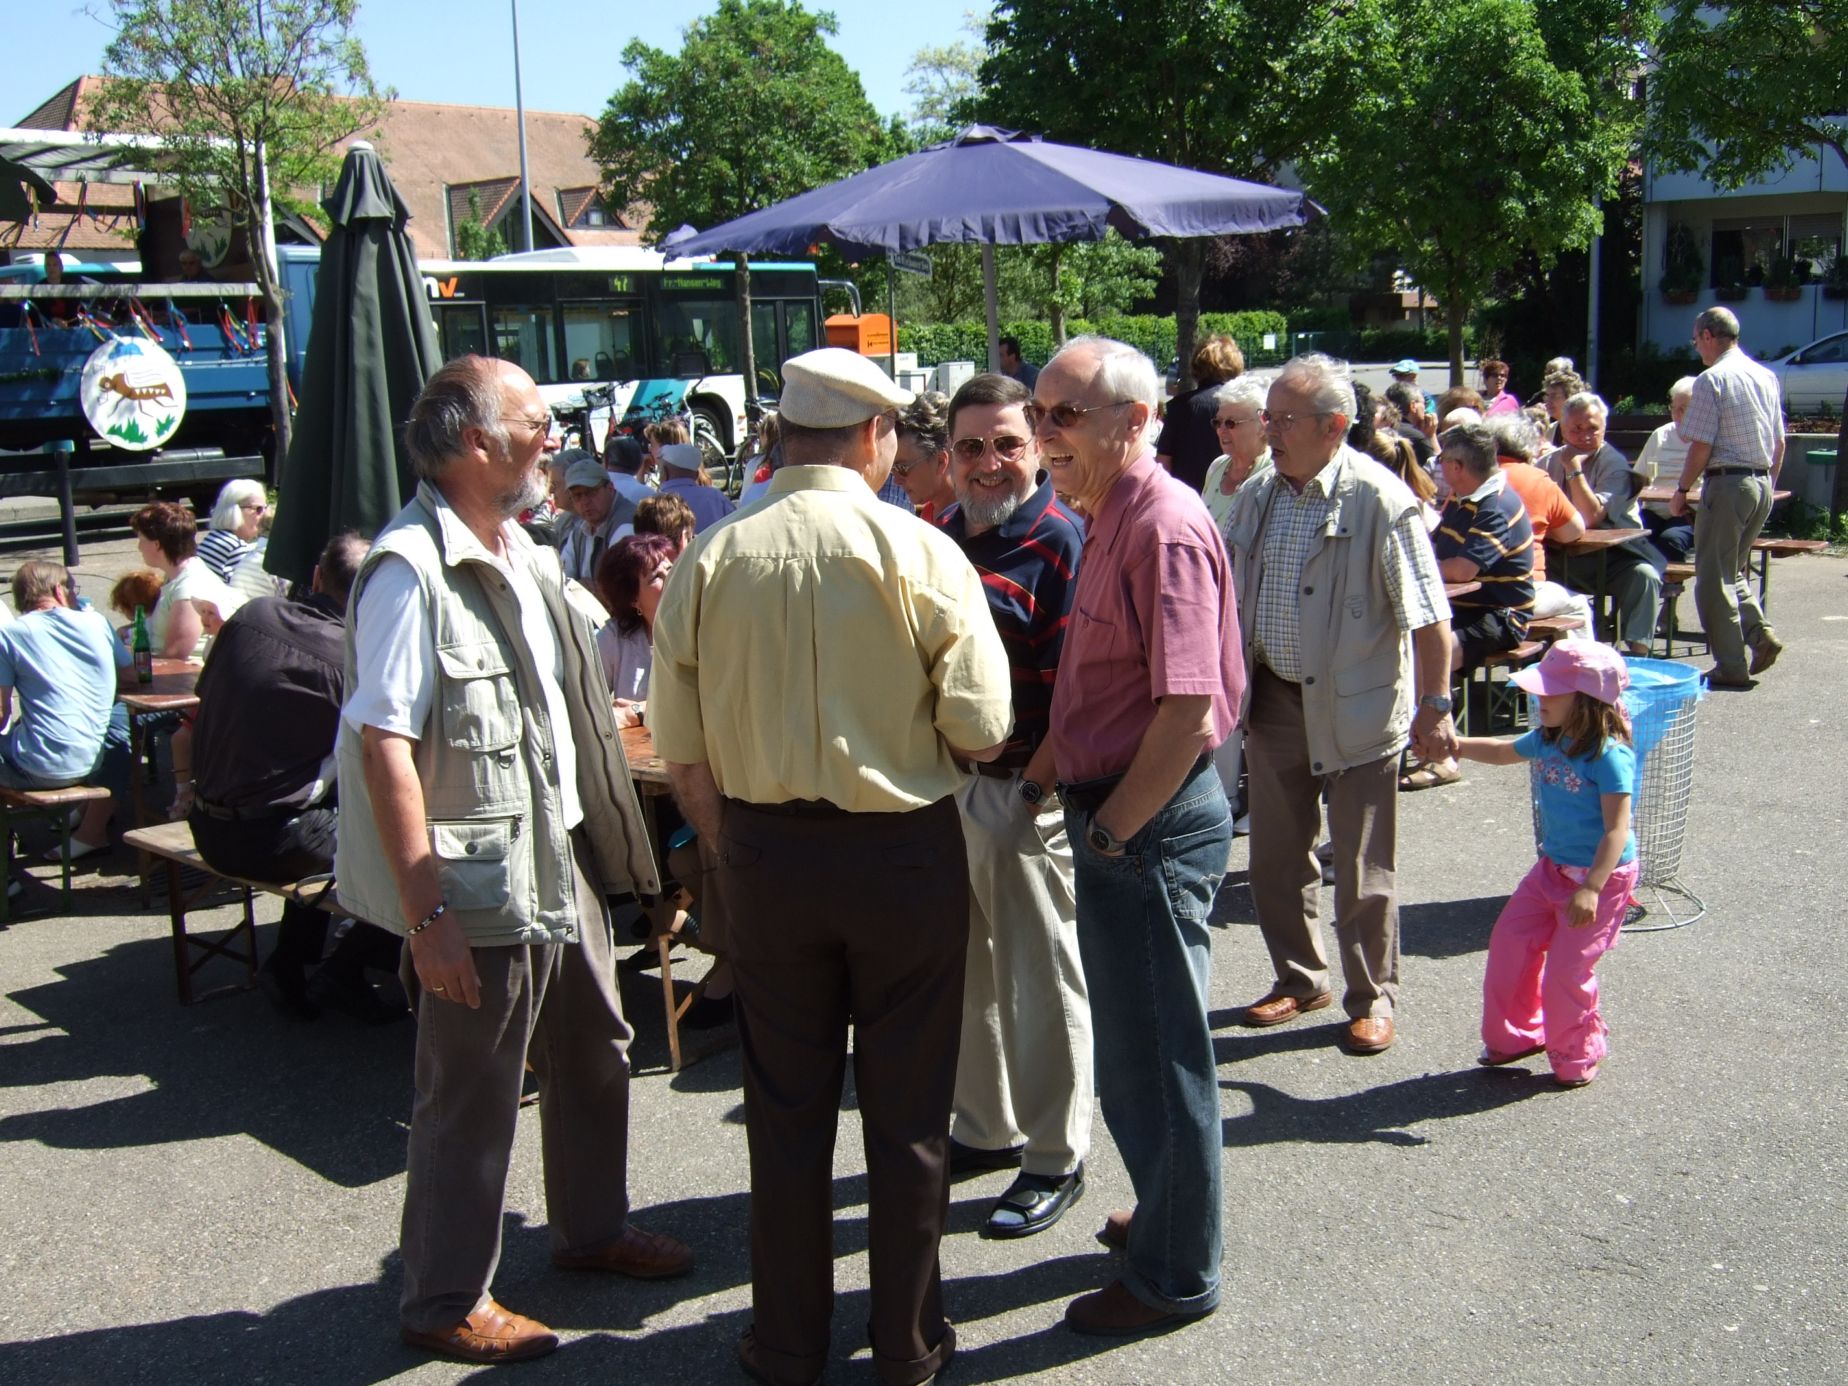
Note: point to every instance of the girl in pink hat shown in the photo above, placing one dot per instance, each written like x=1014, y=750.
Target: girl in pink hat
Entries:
x=1539, y=991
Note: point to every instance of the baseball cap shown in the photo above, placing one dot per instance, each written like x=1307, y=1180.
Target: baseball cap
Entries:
x=1407, y=366
x=586, y=471
x=836, y=388
x=682, y=457
x=1577, y=666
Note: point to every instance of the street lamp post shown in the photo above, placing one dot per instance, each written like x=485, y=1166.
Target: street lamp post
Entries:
x=519, y=115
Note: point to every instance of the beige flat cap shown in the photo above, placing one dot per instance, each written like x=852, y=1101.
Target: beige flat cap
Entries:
x=836, y=388
x=586, y=471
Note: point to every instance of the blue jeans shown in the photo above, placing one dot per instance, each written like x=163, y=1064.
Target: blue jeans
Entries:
x=1142, y=934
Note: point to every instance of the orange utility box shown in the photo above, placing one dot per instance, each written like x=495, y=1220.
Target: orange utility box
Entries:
x=870, y=334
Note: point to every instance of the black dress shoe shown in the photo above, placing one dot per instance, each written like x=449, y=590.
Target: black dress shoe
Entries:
x=1034, y=1203
x=970, y=1159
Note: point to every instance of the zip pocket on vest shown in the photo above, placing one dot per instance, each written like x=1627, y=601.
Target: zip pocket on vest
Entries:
x=473, y=861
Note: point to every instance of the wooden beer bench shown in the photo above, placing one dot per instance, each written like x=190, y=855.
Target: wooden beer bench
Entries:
x=55, y=804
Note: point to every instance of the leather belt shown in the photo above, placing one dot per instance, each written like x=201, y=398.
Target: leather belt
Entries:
x=798, y=808
x=1089, y=796
x=994, y=770
x=237, y=815
x=1738, y=471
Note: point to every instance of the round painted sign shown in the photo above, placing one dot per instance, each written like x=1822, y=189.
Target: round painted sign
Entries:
x=133, y=393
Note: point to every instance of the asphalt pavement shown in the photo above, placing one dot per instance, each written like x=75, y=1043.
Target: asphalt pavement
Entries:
x=211, y=1193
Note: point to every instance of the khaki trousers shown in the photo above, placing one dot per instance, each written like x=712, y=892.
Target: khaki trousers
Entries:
x=557, y=1004
x=1363, y=807
x=1024, y=1076
x=1733, y=508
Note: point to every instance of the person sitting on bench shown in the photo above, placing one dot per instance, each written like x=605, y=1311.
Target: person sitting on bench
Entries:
x=62, y=660
x=263, y=789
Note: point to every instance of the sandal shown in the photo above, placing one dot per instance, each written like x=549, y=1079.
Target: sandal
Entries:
x=1428, y=775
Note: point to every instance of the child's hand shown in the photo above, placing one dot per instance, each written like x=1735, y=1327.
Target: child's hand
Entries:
x=1584, y=907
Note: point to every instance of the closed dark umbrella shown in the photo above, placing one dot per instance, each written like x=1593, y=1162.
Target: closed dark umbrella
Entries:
x=19, y=184
x=994, y=187
x=371, y=347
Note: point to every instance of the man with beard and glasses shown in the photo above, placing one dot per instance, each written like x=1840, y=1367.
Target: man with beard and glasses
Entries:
x=485, y=813
x=1023, y=1082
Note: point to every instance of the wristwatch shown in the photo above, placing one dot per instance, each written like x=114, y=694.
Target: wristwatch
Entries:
x=1031, y=792
x=1437, y=702
x=1101, y=841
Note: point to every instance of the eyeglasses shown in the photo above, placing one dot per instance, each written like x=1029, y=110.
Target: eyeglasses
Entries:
x=1007, y=448
x=1286, y=420
x=540, y=425
x=1235, y=423
x=906, y=468
x=1066, y=415
x=254, y=507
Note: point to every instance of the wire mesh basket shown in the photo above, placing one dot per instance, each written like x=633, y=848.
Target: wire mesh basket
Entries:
x=1661, y=700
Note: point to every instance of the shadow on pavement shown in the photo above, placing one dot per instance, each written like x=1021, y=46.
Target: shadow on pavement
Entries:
x=1448, y=928
x=1380, y=1114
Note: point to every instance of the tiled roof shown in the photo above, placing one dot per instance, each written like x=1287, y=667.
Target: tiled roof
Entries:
x=434, y=150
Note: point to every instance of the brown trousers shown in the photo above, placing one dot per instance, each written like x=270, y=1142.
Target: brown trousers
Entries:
x=839, y=918
x=1363, y=815
x=558, y=1004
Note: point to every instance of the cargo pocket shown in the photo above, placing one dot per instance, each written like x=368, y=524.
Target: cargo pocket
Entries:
x=481, y=705
x=472, y=862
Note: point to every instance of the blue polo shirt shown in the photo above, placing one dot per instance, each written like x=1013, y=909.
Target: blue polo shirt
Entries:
x=1029, y=572
x=62, y=662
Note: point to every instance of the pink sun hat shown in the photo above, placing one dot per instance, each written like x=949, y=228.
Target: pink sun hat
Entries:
x=1577, y=666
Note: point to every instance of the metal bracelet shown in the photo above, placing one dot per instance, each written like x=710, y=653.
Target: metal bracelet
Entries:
x=429, y=919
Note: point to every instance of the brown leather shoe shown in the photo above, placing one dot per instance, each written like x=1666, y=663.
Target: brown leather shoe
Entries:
x=1115, y=1231
x=1371, y=1034
x=1113, y=1312
x=1276, y=1008
x=1718, y=677
x=1765, y=652
x=490, y=1334
x=638, y=1254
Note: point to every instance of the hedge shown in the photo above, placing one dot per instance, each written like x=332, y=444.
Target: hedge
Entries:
x=1155, y=336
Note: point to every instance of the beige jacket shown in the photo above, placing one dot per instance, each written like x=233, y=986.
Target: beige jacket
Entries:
x=485, y=761
x=1358, y=692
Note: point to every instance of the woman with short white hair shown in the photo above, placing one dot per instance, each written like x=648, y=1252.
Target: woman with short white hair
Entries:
x=1238, y=423
x=237, y=518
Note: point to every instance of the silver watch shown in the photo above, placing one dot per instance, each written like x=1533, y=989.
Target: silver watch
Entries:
x=1437, y=702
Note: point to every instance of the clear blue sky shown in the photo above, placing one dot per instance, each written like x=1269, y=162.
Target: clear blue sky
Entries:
x=461, y=50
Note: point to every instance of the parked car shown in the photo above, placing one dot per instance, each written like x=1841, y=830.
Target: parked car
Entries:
x=1815, y=377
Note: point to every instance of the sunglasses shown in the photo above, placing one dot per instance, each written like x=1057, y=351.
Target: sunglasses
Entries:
x=1067, y=415
x=1236, y=423
x=1007, y=448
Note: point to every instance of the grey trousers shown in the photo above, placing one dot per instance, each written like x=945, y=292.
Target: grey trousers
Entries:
x=1634, y=586
x=557, y=1004
x=1732, y=511
x=1363, y=809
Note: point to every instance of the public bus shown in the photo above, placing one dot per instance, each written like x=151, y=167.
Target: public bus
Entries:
x=653, y=337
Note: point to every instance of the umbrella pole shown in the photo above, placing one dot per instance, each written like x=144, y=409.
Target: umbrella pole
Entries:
x=991, y=297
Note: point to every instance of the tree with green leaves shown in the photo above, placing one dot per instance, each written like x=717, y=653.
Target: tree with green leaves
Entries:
x=754, y=109
x=250, y=98
x=1469, y=145
x=475, y=239
x=1742, y=88
x=1226, y=86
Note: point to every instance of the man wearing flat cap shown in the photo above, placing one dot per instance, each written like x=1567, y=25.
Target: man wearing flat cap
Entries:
x=680, y=468
x=602, y=512
x=824, y=667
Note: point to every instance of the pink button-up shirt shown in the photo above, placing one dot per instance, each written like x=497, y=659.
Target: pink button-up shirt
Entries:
x=1154, y=614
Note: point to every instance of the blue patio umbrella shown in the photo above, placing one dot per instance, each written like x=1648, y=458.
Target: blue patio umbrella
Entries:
x=992, y=187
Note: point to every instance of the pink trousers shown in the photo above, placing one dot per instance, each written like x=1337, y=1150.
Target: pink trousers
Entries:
x=1539, y=988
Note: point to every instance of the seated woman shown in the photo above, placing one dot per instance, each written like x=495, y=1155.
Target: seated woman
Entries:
x=237, y=519
x=630, y=580
x=62, y=662
x=167, y=539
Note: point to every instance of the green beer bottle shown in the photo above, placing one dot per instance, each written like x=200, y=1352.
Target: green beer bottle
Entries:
x=144, y=649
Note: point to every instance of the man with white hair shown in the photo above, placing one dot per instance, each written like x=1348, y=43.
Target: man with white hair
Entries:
x=1348, y=643
x=1597, y=480
x=1149, y=685
x=824, y=666
x=1735, y=433
x=1665, y=453
x=681, y=464
x=485, y=813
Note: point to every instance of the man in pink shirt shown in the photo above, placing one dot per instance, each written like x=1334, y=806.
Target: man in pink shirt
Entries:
x=1149, y=684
